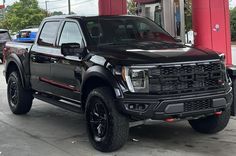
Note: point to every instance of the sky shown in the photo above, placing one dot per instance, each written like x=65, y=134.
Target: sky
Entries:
x=61, y=5
x=233, y=3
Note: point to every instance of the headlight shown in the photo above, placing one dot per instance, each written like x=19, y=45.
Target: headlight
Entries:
x=137, y=79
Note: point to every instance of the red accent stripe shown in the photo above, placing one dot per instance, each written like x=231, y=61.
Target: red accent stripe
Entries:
x=4, y=55
x=72, y=88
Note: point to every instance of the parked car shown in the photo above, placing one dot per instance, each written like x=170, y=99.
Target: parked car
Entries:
x=118, y=69
x=27, y=35
x=4, y=37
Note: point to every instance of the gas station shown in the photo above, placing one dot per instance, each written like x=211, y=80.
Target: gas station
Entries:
x=53, y=131
x=211, y=32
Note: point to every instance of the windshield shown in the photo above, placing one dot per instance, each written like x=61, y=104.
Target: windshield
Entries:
x=4, y=36
x=115, y=30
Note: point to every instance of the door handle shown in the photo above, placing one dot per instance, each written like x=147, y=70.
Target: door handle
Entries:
x=54, y=60
x=33, y=58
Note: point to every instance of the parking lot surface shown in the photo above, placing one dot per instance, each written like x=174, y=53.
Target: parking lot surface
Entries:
x=51, y=131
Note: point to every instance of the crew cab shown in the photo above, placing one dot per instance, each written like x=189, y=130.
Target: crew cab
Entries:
x=116, y=70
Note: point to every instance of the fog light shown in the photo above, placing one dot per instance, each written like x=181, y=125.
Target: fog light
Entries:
x=137, y=107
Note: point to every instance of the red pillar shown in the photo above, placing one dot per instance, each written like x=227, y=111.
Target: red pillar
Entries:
x=211, y=24
x=112, y=7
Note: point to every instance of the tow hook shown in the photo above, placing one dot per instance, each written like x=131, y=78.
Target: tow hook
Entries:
x=218, y=113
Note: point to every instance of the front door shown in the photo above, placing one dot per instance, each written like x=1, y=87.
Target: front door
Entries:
x=66, y=70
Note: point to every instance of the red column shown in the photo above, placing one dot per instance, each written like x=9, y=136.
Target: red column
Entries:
x=112, y=7
x=211, y=24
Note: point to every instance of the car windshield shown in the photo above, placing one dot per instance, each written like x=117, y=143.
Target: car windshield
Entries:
x=116, y=30
x=4, y=36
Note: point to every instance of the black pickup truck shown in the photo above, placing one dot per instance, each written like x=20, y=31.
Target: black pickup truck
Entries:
x=116, y=70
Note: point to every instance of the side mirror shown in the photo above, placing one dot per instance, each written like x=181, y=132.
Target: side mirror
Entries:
x=71, y=49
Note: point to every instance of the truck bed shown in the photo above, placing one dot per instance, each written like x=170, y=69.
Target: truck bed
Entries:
x=17, y=46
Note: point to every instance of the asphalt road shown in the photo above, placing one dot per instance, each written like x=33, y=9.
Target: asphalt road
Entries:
x=51, y=131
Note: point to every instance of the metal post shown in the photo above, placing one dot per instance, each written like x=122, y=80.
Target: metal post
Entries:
x=46, y=7
x=182, y=18
x=4, y=9
x=69, y=7
x=168, y=15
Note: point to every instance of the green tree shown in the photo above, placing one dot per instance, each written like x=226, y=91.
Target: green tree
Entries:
x=188, y=14
x=233, y=23
x=132, y=7
x=22, y=14
x=56, y=13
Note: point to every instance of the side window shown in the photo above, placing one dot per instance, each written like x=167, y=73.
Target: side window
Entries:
x=48, y=33
x=70, y=34
x=143, y=27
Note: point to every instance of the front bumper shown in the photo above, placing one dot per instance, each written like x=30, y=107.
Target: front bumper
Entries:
x=151, y=107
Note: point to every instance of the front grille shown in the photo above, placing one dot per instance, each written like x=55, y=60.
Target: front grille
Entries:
x=187, y=78
x=197, y=105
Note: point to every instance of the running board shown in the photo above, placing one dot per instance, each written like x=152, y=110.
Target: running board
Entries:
x=62, y=104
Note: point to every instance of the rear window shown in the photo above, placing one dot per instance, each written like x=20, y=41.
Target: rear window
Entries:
x=48, y=34
x=4, y=36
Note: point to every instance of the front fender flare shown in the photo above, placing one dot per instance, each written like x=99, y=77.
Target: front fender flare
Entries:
x=103, y=73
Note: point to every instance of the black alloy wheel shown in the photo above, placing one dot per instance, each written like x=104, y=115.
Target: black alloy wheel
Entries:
x=108, y=130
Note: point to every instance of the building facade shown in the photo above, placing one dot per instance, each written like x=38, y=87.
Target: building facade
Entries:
x=167, y=13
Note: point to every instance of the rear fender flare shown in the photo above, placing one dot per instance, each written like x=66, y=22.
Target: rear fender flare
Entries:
x=13, y=58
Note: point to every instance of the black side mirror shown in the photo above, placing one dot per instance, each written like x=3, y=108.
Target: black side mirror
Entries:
x=71, y=49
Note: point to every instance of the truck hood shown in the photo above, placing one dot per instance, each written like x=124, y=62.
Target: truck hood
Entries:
x=151, y=52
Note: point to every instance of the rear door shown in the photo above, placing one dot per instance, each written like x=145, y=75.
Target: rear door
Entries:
x=66, y=71
x=41, y=57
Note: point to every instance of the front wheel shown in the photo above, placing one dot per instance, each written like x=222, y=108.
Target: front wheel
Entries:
x=19, y=99
x=211, y=124
x=108, y=130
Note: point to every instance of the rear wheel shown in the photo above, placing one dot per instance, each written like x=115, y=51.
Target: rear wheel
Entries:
x=107, y=129
x=19, y=99
x=211, y=124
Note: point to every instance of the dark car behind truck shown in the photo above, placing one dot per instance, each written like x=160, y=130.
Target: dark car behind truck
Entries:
x=118, y=69
x=4, y=37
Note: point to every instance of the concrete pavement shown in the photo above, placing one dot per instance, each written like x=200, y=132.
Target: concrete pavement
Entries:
x=51, y=131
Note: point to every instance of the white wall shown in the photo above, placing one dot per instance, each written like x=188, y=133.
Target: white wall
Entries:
x=169, y=18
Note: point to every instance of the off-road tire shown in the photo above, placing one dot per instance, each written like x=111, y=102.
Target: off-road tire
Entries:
x=23, y=99
x=211, y=124
x=117, y=131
